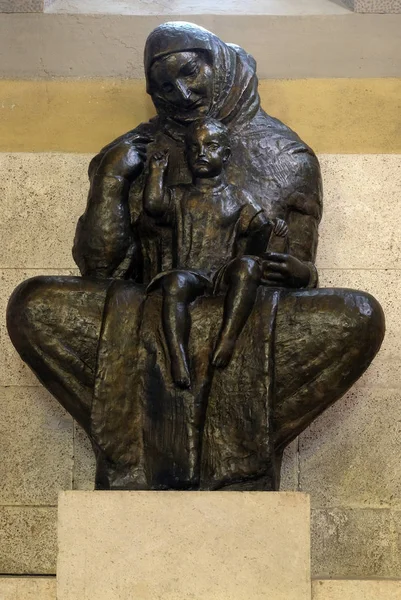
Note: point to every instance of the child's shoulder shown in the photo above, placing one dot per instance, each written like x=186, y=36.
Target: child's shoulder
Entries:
x=243, y=197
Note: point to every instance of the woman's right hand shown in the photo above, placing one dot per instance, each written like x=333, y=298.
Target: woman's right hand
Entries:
x=125, y=159
x=285, y=270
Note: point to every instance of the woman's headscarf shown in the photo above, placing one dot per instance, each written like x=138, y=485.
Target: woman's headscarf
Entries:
x=235, y=95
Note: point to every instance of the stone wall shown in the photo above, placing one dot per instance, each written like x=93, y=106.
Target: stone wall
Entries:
x=374, y=6
x=44, y=588
x=229, y=7
x=349, y=459
x=25, y=6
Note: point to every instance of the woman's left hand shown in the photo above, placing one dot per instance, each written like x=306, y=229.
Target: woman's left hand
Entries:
x=284, y=270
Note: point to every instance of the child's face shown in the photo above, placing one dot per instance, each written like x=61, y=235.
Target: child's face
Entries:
x=206, y=152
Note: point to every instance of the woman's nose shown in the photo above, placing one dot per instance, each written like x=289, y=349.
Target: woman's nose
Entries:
x=183, y=89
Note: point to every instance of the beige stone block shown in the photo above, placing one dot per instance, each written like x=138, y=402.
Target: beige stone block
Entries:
x=356, y=590
x=385, y=285
x=174, y=545
x=197, y=7
x=84, y=461
x=21, y=6
x=13, y=371
x=396, y=518
x=28, y=540
x=28, y=588
x=42, y=197
x=350, y=456
x=89, y=46
x=377, y=6
x=362, y=210
x=355, y=543
x=36, y=445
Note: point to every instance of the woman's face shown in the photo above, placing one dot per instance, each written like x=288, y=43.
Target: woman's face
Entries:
x=182, y=85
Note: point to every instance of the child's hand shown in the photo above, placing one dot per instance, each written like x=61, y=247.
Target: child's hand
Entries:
x=280, y=227
x=159, y=161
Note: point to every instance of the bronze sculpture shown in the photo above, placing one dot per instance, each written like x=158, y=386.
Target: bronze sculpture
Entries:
x=197, y=418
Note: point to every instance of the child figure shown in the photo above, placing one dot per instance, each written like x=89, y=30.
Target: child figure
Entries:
x=219, y=237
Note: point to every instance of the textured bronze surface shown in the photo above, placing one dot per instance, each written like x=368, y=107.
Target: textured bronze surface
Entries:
x=196, y=344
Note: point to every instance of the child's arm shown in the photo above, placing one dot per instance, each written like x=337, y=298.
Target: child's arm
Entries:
x=156, y=198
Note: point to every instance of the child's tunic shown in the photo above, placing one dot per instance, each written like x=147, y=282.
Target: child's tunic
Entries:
x=208, y=227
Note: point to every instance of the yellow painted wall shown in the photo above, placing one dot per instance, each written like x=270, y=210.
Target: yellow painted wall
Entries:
x=332, y=115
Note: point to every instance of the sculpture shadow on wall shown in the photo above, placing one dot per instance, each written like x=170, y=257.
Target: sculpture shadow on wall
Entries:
x=196, y=344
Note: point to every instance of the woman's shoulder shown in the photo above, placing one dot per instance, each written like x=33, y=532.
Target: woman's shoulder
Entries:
x=269, y=133
x=284, y=162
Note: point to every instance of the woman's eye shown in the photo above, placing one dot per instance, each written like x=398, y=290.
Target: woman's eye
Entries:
x=213, y=145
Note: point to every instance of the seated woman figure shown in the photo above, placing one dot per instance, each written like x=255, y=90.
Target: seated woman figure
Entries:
x=94, y=341
x=220, y=234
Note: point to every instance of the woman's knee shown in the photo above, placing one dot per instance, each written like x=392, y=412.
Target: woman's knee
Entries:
x=325, y=340
x=24, y=308
x=329, y=323
x=368, y=321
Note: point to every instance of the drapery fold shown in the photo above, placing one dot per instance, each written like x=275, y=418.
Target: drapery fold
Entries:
x=157, y=436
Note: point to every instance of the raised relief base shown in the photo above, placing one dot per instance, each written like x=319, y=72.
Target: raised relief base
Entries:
x=183, y=546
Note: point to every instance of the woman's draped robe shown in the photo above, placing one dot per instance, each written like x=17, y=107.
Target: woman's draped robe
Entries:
x=153, y=435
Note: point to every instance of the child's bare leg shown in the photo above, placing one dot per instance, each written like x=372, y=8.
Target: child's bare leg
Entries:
x=243, y=277
x=179, y=290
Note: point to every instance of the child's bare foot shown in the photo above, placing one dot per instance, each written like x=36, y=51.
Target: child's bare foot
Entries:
x=180, y=374
x=223, y=353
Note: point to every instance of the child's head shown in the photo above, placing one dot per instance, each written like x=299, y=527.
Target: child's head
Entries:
x=208, y=147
